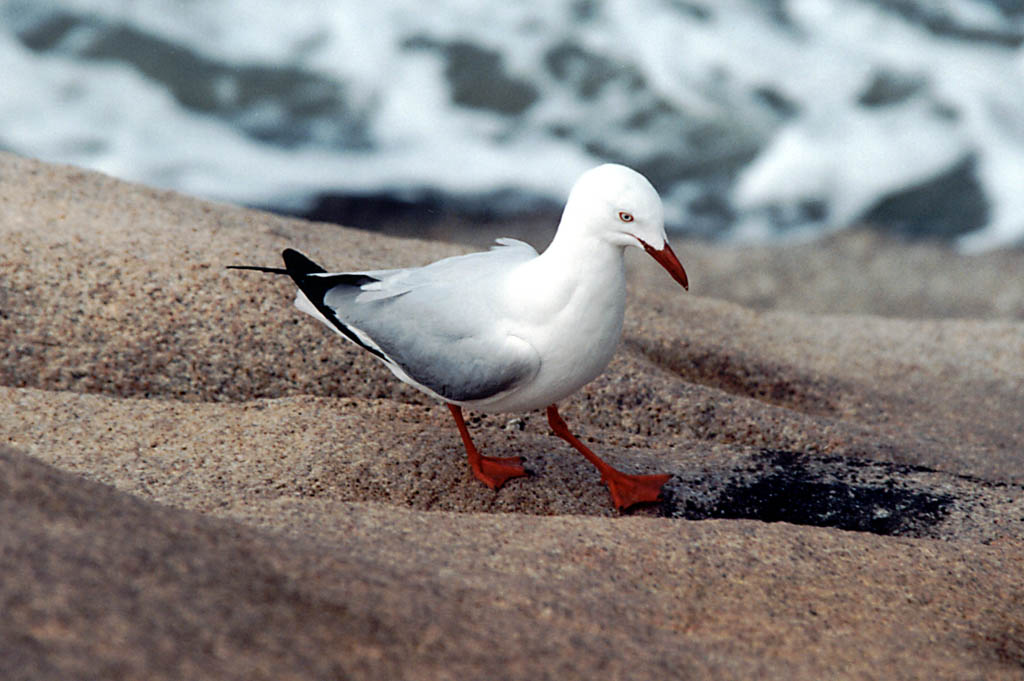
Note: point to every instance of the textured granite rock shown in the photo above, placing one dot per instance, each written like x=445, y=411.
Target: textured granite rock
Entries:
x=842, y=421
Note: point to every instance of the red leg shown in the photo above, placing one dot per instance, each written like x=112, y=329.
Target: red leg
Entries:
x=492, y=471
x=626, y=490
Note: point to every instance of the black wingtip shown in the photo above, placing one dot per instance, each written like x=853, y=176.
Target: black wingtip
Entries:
x=315, y=288
x=299, y=265
x=296, y=265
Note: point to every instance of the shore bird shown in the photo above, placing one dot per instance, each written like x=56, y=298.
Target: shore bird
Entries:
x=506, y=330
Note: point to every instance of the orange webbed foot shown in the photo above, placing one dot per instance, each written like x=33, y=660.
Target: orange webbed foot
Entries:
x=630, y=490
x=495, y=471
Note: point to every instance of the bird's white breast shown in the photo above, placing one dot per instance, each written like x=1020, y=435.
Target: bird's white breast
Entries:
x=571, y=315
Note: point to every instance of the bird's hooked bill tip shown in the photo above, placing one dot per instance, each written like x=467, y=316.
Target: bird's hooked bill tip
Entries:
x=667, y=259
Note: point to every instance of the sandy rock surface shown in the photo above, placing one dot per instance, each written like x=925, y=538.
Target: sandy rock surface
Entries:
x=197, y=481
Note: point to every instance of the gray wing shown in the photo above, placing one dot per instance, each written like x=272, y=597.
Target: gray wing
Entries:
x=439, y=324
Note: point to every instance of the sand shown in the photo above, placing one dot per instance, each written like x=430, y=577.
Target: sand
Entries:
x=199, y=482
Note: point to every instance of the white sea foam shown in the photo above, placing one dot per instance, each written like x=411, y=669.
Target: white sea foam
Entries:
x=760, y=109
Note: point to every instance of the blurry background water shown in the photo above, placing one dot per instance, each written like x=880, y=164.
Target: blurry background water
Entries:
x=756, y=119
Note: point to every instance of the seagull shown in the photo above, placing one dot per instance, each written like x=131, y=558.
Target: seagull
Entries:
x=507, y=330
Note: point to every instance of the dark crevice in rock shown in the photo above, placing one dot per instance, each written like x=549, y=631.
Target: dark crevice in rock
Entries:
x=784, y=486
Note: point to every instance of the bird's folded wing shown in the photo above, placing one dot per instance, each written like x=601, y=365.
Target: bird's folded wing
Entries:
x=458, y=351
x=441, y=325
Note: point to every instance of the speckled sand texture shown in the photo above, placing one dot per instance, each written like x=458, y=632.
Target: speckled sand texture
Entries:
x=197, y=481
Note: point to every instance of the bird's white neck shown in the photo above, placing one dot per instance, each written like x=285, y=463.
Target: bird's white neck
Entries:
x=574, y=243
x=582, y=257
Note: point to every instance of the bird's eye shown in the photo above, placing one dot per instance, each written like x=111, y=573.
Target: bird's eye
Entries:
x=625, y=217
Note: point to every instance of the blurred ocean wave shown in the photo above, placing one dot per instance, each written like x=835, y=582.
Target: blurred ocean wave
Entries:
x=756, y=120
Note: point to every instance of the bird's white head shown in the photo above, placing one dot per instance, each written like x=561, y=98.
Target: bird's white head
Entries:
x=617, y=204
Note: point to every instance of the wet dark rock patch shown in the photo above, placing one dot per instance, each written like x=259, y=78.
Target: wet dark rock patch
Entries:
x=848, y=494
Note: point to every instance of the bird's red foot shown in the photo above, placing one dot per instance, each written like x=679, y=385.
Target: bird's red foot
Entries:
x=495, y=471
x=629, y=490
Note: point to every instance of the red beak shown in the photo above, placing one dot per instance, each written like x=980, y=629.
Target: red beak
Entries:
x=670, y=262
